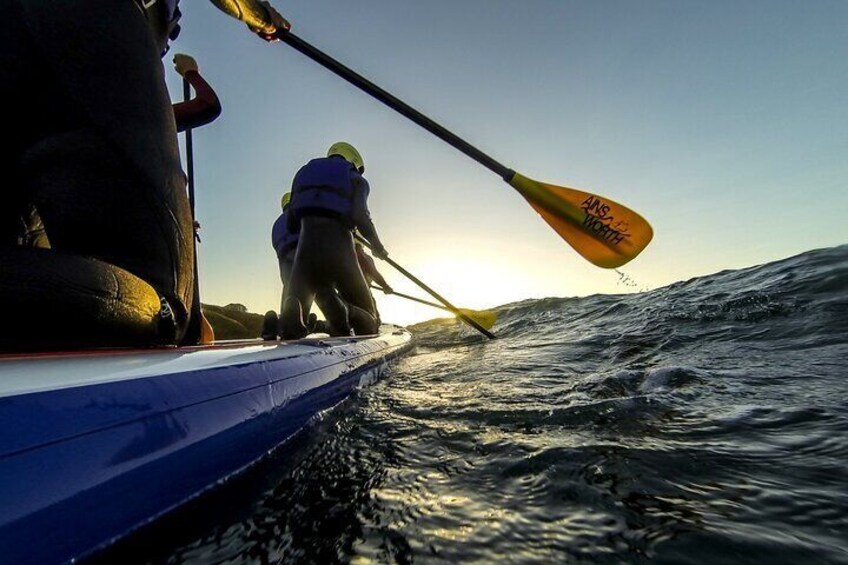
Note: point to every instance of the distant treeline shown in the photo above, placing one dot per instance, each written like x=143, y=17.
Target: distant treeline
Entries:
x=233, y=321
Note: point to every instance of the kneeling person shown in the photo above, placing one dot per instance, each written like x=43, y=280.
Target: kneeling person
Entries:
x=329, y=200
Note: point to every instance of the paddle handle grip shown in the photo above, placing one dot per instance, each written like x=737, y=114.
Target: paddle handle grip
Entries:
x=394, y=103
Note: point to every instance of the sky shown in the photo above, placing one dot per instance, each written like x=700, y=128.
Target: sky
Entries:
x=724, y=123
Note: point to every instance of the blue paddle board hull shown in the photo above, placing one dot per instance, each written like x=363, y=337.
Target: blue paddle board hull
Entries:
x=95, y=445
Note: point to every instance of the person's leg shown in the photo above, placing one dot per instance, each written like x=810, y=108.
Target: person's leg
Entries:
x=297, y=298
x=94, y=203
x=285, y=264
x=326, y=262
x=53, y=300
x=353, y=289
x=363, y=322
x=335, y=310
x=291, y=322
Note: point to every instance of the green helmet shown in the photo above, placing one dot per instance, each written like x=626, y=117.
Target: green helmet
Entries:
x=349, y=152
x=284, y=201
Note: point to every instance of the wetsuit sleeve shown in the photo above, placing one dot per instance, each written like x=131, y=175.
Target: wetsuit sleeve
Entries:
x=365, y=263
x=378, y=278
x=369, y=268
x=202, y=109
x=361, y=215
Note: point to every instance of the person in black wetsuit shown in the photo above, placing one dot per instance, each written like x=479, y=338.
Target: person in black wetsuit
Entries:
x=98, y=157
x=284, y=242
x=330, y=199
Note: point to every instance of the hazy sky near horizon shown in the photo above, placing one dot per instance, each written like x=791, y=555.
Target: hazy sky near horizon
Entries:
x=724, y=123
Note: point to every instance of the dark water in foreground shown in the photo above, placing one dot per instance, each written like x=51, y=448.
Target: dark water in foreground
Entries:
x=704, y=422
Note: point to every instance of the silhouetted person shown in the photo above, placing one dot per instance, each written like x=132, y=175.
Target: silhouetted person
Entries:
x=329, y=200
x=97, y=155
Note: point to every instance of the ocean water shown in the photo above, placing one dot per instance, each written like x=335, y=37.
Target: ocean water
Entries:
x=703, y=422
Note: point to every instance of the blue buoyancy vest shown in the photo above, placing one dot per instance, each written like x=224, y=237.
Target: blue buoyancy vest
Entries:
x=282, y=239
x=324, y=187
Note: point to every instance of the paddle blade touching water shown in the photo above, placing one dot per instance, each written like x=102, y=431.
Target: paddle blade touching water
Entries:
x=603, y=231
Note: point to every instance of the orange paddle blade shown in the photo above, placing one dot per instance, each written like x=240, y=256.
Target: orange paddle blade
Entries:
x=603, y=231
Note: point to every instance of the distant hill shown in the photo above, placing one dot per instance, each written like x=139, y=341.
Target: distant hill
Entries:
x=233, y=321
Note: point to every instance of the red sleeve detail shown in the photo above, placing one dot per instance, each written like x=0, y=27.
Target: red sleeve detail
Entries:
x=200, y=110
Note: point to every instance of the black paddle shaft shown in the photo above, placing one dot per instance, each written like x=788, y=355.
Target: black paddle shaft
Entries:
x=194, y=330
x=189, y=152
x=437, y=296
x=394, y=103
x=413, y=298
x=433, y=293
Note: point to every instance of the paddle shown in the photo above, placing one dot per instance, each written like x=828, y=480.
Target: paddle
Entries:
x=189, y=152
x=603, y=231
x=485, y=318
x=199, y=329
x=448, y=306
